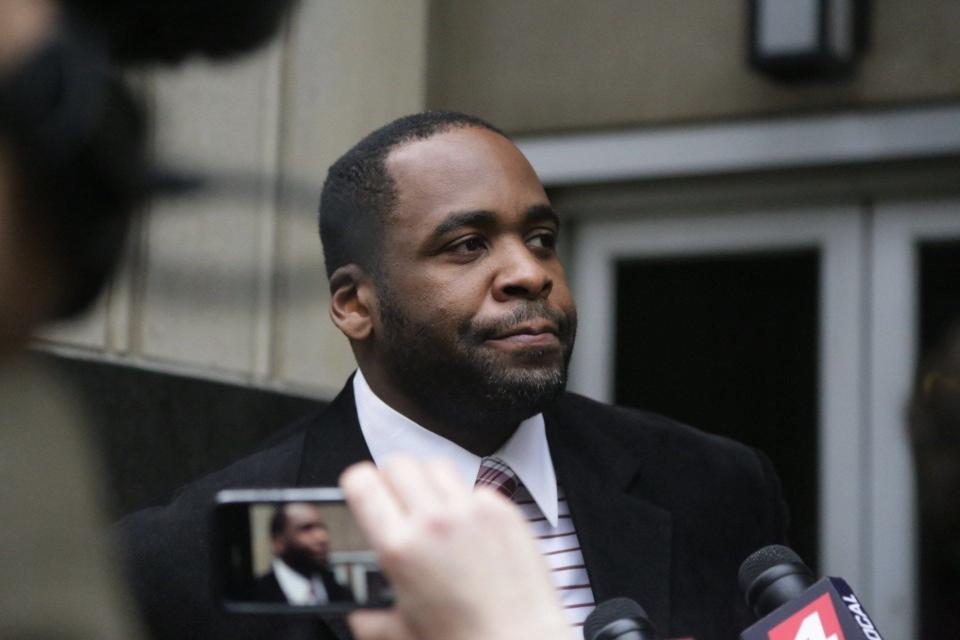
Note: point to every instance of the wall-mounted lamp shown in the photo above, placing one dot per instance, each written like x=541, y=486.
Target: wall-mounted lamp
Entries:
x=802, y=39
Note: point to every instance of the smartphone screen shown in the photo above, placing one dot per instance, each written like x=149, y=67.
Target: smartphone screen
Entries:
x=293, y=551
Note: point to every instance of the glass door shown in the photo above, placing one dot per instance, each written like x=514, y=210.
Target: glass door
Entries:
x=800, y=332
x=745, y=324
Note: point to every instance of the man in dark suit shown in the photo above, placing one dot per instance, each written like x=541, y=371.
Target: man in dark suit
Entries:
x=440, y=247
x=300, y=573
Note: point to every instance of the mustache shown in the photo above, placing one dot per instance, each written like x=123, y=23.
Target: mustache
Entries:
x=482, y=330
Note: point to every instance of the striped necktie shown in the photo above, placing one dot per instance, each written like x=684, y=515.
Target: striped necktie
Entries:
x=559, y=545
x=497, y=474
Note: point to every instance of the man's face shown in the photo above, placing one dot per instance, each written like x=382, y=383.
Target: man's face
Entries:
x=304, y=543
x=475, y=313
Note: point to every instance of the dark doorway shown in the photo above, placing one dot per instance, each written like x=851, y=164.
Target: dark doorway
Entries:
x=729, y=344
x=939, y=291
x=936, y=429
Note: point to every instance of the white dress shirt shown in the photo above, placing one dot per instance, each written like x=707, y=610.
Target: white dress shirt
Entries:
x=388, y=432
x=299, y=589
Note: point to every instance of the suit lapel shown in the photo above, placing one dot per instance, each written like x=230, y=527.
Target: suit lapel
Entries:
x=332, y=442
x=625, y=539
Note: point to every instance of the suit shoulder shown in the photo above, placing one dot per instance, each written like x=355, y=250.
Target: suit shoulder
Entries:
x=637, y=427
x=681, y=467
x=273, y=465
x=669, y=452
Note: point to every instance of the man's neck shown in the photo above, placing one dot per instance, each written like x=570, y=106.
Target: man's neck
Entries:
x=303, y=569
x=480, y=437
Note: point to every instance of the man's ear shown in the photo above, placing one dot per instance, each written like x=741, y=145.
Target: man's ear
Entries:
x=352, y=301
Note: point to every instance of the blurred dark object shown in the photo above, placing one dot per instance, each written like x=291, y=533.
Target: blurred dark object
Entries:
x=168, y=31
x=79, y=134
x=935, y=435
x=80, y=140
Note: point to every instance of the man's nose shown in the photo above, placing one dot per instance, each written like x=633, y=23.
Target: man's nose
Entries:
x=521, y=274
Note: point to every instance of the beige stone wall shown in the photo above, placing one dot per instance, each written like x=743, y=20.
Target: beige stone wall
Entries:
x=233, y=286
x=550, y=65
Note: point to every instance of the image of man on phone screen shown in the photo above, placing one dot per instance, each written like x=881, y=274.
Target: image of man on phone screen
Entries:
x=299, y=572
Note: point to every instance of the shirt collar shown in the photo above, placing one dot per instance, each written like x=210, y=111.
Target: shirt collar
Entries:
x=388, y=432
x=297, y=587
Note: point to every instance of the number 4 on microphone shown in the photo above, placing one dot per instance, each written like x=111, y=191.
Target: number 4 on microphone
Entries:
x=816, y=621
x=812, y=629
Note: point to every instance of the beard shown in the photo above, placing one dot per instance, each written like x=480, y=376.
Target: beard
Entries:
x=303, y=561
x=458, y=380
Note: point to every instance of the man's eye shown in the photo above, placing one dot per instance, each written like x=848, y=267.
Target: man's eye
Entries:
x=544, y=240
x=469, y=245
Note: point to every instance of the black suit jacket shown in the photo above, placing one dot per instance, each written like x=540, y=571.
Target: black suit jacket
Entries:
x=267, y=588
x=664, y=513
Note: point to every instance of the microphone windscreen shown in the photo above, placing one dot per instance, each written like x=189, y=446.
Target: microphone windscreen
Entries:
x=763, y=559
x=610, y=611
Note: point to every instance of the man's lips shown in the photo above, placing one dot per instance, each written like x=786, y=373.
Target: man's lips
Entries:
x=529, y=334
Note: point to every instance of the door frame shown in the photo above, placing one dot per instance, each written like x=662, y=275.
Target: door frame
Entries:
x=898, y=227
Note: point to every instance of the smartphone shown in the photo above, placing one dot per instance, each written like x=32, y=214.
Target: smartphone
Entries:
x=293, y=551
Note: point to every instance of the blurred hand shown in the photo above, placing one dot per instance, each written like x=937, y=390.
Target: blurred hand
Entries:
x=463, y=563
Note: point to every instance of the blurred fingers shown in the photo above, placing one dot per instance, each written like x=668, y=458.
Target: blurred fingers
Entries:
x=443, y=475
x=414, y=487
x=376, y=508
x=378, y=625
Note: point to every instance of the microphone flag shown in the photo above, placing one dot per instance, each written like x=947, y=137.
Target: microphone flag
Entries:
x=828, y=610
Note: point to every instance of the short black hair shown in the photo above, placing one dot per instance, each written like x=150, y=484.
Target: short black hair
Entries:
x=278, y=521
x=359, y=192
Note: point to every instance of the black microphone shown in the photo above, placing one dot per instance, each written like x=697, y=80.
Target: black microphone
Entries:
x=771, y=577
x=619, y=619
x=791, y=605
